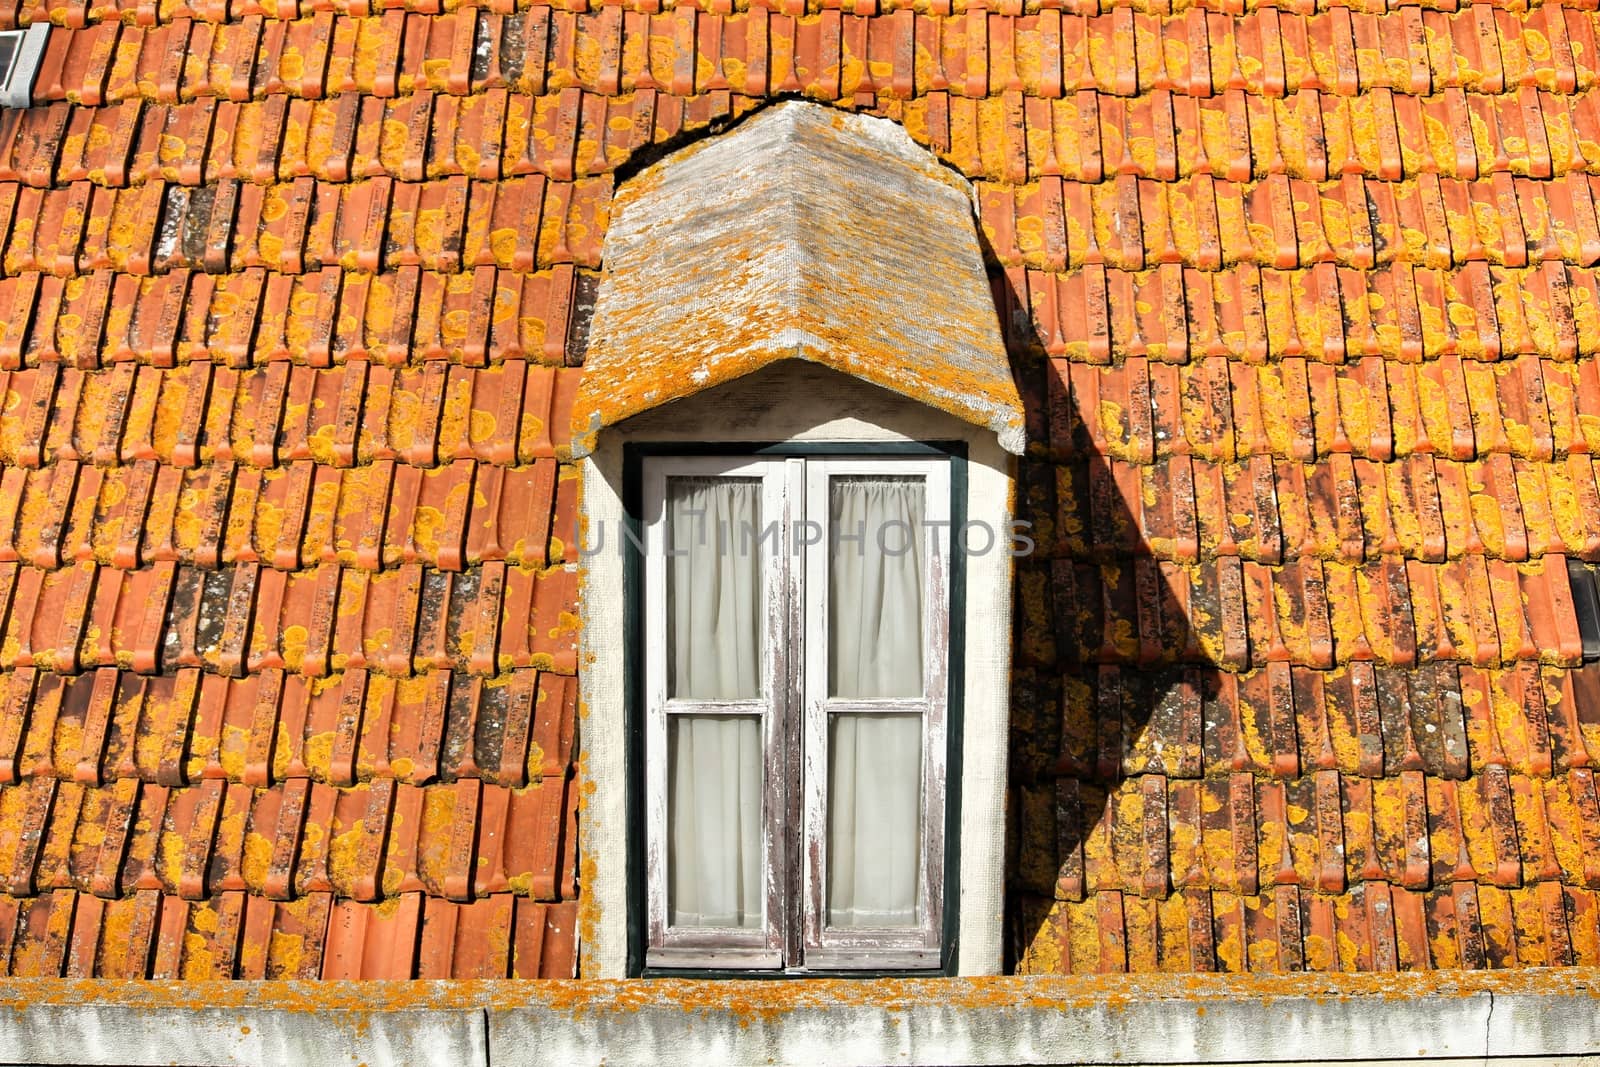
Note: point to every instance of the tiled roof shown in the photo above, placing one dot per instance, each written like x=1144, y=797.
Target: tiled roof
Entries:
x=1305, y=308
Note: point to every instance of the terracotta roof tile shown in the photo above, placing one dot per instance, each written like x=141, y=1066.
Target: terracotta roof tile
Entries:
x=294, y=299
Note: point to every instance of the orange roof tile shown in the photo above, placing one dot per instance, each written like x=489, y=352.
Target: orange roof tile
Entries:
x=1302, y=305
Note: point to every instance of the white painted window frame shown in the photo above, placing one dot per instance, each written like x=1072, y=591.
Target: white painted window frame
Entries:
x=895, y=949
x=795, y=709
x=16, y=85
x=711, y=947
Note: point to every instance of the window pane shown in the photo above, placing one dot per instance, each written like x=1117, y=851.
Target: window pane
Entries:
x=876, y=586
x=874, y=819
x=713, y=588
x=714, y=820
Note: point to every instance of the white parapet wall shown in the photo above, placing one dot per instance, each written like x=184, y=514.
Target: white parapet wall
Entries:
x=1455, y=1017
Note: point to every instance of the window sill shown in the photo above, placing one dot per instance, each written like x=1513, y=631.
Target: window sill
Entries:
x=913, y=963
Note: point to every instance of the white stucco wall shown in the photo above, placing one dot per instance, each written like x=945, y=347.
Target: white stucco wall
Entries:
x=794, y=401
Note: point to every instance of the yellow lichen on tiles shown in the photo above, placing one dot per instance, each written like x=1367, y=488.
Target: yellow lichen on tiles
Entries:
x=1141, y=925
x=1532, y=947
x=481, y=430
x=1066, y=130
x=286, y=952
x=1565, y=508
x=14, y=803
x=1256, y=747
x=1433, y=406
x=149, y=743
x=1044, y=927
x=345, y=868
x=1070, y=933
x=1262, y=954
x=433, y=840
x=1344, y=613
x=11, y=409
x=318, y=543
x=1231, y=952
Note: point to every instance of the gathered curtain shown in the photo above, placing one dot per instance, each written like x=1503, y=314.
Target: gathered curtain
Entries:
x=714, y=791
x=714, y=636
x=714, y=628
x=875, y=618
x=875, y=648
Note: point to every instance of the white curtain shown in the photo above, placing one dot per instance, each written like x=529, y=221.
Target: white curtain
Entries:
x=875, y=651
x=874, y=819
x=714, y=653
x=713, y=589
x=875, y=595
x=715, y=815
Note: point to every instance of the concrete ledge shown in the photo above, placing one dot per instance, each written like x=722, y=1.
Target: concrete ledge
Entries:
x=1127, y=1019
x=54, y=1022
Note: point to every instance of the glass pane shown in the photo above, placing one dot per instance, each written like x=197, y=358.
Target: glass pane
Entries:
x=714, y=618
x=874, y=819
x=877, y=568
x=714, y=820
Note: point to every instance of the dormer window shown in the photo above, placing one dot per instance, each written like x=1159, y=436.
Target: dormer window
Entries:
x=795, y=677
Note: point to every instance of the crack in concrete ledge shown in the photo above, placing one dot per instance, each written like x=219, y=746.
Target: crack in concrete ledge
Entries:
x=1488, y=1028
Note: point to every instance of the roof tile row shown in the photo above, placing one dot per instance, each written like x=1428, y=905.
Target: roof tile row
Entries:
x=449, y=226
x=248, y=618
x=1340, y=510
x=1327, y=831
x=1241, y=615
x=370, y=842
x=110, y=727
x=332, y=48
x=1143, y=410
x=1377, y=926
x=237, y=934
x=290, y=519
x=1281, y=223
x=177, y=419
x=1234, y=137
x=1100, y=724
x=1325, y=313
x=317, y=319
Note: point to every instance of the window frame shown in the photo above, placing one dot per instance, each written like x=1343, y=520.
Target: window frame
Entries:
x=868, y=947
x=16, y=86
x=676, y=946
x=835, y=959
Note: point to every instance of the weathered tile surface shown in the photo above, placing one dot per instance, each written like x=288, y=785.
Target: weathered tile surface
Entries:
x=1303, y=301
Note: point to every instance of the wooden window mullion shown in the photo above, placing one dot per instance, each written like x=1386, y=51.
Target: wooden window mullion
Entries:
x=792, y=715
